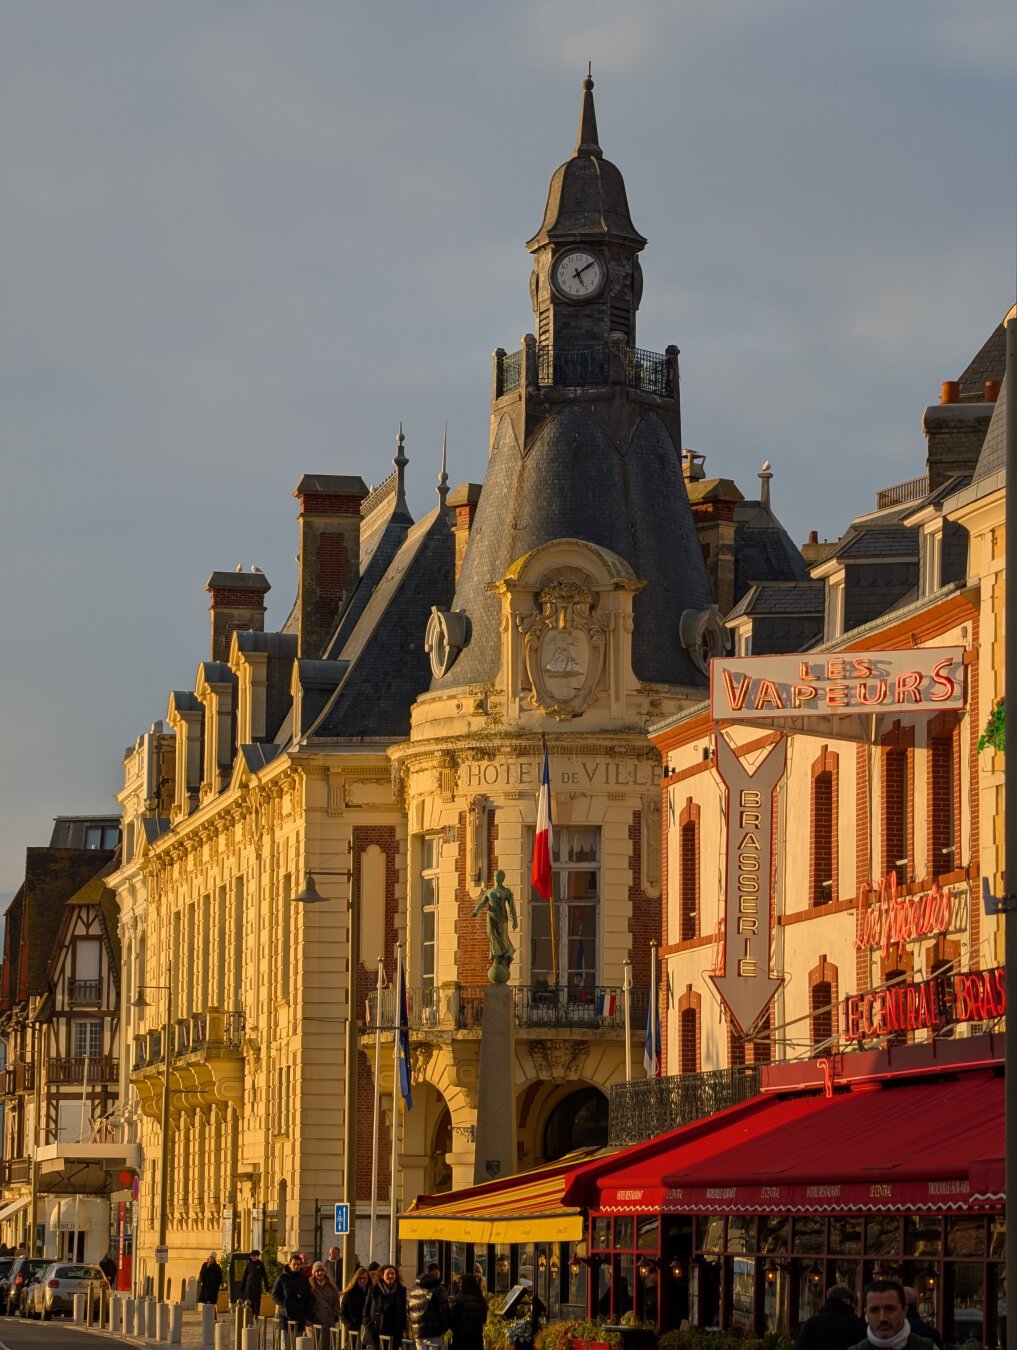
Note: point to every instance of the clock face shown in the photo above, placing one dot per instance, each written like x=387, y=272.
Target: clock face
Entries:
x=577, y=274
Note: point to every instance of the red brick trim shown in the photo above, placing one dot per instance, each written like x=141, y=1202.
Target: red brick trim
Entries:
x=824, y=993
x=689, y=1023
x=689, y=891
x=824, y=860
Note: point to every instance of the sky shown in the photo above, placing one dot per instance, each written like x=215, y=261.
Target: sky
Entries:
x=243, y=241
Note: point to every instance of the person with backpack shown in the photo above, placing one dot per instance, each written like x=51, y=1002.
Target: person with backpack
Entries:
x=468, y=1313
x=427, y=1310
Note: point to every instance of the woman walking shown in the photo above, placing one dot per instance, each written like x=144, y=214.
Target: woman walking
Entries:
x=209, y=1280
x=354, y=1296
x=469, y=1313
x=324, y=1309
x=385, y=1310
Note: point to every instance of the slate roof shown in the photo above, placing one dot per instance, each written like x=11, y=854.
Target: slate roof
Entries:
x=988, y=363
x=377, y=551
x=781, y=597
x=879, y=541
x=575, y=482
x=388, y=667
x=763, y=549
x=993, y=457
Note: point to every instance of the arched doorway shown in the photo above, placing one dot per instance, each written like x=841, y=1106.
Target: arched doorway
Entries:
x=440, y=1175
x=578, y=1120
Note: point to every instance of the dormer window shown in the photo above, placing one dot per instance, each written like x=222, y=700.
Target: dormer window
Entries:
x=834, y=607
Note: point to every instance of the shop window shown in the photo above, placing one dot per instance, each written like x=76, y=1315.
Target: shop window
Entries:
x=965, y=1237
x=688, y=881
x=942, y=815
x=624, y=1234
x=741, y=1234
x=742, y=1277
x=821, y=863
x=773, y=1233
x=429, y=856
x=576, y=903
x=964, y=1302
x=923, y=1235
x=882, y=1237
x=821, y=1017
x=896, y=834
x=710, y=1235
x=502, y=1268
x=809, y=1236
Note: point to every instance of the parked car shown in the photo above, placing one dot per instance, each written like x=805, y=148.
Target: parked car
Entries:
x=24, y=1271
x=5, y=1270
x=53, y=1292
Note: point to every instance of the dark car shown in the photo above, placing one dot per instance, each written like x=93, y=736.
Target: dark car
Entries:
x=5, y=1270
x=25, y=1271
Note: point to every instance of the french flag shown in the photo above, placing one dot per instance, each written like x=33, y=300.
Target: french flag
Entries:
x=540, y=875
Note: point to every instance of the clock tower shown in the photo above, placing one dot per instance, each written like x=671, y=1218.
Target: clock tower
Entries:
x=586, y=281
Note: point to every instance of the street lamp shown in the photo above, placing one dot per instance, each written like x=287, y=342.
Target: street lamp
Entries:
x=140, y=1002
x=310, y=895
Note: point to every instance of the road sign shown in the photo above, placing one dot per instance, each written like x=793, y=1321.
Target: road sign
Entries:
x=342, y=1220
x=162, y=1256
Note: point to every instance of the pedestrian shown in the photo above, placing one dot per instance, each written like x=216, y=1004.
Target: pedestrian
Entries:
x=334, y=1266
x=108, y=1266
x=467, y=1315
x=385, y=1309
x=886, y=1319
x=427, y=1309
x=292, y=1294
x=836, y=1325
x=918, y=1324
x=324, y=1310
x=354, y=1296
x=254, y=1283
x=210, y=1280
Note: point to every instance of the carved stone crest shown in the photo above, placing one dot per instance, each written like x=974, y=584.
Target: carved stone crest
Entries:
x=564, y=647
x=559, y=1061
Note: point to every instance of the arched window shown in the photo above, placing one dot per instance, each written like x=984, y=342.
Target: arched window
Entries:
x=942, y=813
x=822, y=838
x=821, y=1017
x=688, y=881
x=896, y=835
x=579, y=1121
x=688, y=1041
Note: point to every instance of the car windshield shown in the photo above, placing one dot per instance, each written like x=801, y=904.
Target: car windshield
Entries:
x=78, y=1273
x=34, y=1267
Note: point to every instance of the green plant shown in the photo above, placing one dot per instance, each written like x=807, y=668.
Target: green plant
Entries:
x=994, y=734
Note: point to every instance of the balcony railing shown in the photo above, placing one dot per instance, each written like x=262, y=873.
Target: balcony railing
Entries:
x=594, y=366
x=201, y=1033
x=902, y=493
x=84, y=991
x=103, y=1069
x=651, y=1106
x=15, y=1171
x=461, y=1007
x=18, y=1078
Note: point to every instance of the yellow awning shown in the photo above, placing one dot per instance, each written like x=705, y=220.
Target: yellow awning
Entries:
x=524, y=1208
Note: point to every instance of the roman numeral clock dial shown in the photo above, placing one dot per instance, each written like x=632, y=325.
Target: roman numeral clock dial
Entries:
x=577, y=274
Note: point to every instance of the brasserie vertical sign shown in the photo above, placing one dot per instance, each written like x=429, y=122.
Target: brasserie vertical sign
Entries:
x=746, y=986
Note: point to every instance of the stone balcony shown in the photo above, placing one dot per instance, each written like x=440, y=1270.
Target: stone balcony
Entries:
x=206, y=1062
x=457, y=1009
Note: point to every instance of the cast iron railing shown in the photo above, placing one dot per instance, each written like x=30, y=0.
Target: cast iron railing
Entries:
x=102, y=1069
x=902, y=493
x=651, y=1106
x=84, y=991
x=457, y=1007
x=590, y=367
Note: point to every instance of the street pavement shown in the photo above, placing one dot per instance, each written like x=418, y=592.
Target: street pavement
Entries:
x=61, y=1334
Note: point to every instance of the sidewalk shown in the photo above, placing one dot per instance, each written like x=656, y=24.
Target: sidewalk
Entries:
x=190, y=1333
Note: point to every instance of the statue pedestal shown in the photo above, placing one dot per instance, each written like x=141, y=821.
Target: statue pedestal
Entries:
x=496, y=1154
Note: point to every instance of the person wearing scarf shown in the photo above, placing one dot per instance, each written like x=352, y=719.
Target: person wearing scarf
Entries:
x=886, y=1316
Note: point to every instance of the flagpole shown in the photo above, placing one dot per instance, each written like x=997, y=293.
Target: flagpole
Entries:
x=627, y=996
x=377, y=1107
x=396, y=1027
x=654, y=1046
x=552, y=904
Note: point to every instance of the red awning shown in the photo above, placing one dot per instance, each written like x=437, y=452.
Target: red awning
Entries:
x=921, y=1144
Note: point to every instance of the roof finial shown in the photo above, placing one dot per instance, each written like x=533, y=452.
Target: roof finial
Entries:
x=400, y=461
x=443, y=476
x=587, y=142
x=765, y=474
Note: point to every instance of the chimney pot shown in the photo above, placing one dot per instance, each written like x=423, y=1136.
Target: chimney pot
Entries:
x=991, y=391
x=813, y=536
x=950, y=392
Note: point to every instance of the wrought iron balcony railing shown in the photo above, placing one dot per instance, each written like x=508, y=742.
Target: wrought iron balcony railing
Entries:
x=593, y=366
x=15, y=1171
x=84, y=991
x=902, y=493
x=651, y=1106
x=102, y=1069
x=457, y=1007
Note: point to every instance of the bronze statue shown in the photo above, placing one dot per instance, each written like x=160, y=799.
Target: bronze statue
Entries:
x=500, y=905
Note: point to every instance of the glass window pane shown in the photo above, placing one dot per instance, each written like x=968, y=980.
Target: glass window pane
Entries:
x=773, y=1233
x=997, y=1237
x=481, y=1256
x=93, y=837
x=846, y=1236
x=427, y=889
x=623, y=1234
x=427, y=925
x=602, y=1233
x=526, y=1263
x=810, y=1235
x=429, y=852
x=743, y=1288
x=923, y=1235
x=741, y=1234
x=602, y=1306
x=965, y=1301
x=502, y=1268
x=882, y=1237
x=647, y=1235
x=965, y=1237
x=710, y=1235
x=540, y=943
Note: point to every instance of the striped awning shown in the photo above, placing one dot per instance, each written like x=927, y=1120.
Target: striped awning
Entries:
x=524, y=1208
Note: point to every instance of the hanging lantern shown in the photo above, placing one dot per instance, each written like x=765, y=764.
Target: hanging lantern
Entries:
x=677, y=1268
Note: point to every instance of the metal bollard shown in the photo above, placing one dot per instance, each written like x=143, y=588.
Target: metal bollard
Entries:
x=176, y=1323
x=162, y=1321
x=250, y=1339
x=150, y=1322
x=79, y=1308
x=305, y=1343
x=222, y=1332
x=129, y=1310
x=116, y=1315
x=207, y=1323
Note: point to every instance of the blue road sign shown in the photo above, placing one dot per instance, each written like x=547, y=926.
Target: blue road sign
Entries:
x=342, y=1220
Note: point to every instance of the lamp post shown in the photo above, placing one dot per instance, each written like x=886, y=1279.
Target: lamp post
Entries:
x=141, y=1002
x=310, y=895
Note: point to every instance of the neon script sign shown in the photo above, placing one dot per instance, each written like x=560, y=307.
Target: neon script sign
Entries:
x=765, y=687
x=929, y=1005
x=900, y=918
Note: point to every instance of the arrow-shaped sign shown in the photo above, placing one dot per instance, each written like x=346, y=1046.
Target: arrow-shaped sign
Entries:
x=746, y=985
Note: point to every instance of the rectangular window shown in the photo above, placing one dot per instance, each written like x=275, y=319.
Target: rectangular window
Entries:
x=574, y=904
x=943, y=840
x=86, y=1036
x=895, y=815
x=429, y=858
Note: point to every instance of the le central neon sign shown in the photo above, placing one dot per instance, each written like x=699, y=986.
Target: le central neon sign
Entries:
x=900, y=918
x=969, y=996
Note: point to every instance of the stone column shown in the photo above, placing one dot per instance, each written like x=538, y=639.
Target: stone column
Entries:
x=496, y=1106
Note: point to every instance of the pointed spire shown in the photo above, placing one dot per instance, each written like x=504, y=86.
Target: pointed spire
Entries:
x=587, y=142
x=400, y=461
x=765, y=474
x=443, y=476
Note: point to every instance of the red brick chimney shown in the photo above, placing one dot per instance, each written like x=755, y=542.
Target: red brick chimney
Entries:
x=463, y=500
x=329, y=563
x=238, y=606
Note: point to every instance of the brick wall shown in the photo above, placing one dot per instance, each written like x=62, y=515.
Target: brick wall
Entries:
x=474, y=957
x=824, y=999
x=645, y=917
x=690, y=1058
x=688, y=875
x=862, y=860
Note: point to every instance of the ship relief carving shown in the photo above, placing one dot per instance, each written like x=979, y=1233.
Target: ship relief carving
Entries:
x=564, y=647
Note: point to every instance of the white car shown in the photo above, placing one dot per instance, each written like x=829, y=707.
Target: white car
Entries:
x=54, y=1290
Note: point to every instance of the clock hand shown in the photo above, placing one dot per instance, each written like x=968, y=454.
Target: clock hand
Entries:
x=583, y=269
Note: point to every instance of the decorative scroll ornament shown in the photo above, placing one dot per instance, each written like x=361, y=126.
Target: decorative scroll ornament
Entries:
x=444, y=638
x=564, y=648
x=703, y=634
x=559, y=1061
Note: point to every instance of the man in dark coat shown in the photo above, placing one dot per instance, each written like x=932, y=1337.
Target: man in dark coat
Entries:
x=427, y=1310
x=254, y=1283
x=292, y=1294
x=836, y=1325
x=918, y=1324
x=886, y=1319
x=209, y=1280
